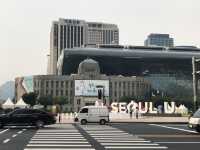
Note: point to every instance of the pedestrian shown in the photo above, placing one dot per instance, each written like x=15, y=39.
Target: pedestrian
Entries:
x=59, y=118
x=136, y=112
x=131, y=112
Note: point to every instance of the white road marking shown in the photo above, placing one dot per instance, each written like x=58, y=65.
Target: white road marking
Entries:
x=178, y=142
x=56, y=145
x=39, y=139
x=19, y=132
x=130, y=144
x=121, y=141
x=135, y=147
x=106, y=132
x=117, y=138
x=44, y=131
x=58, y=133
x=59, y=149
x=14, y=135
x=58, y=142
x=4, y=131
x=185, y=130
x=6, y=141
x=49, y=137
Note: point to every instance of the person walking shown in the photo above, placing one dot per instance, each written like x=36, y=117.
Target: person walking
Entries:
x=131, y=112
x=59, y=118
x=136, y=112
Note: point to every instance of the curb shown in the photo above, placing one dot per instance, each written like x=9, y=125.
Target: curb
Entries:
x=150, y=122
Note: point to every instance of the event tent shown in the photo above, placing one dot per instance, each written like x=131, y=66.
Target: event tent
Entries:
x=8, y=104
x=21, y=104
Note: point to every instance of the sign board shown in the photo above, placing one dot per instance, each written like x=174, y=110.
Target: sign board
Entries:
x=89, y=87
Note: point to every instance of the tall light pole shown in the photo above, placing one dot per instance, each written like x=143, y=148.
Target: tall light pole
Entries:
x=195, y=80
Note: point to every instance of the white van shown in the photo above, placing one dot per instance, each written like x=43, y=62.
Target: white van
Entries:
x=194, y=121
x=93, y=114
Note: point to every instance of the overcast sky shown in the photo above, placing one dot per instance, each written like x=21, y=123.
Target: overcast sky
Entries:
x=25, y=26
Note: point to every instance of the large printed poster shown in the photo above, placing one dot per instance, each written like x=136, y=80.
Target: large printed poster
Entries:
x=89, y=87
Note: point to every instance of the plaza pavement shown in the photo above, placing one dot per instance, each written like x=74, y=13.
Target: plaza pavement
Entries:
x=127, y=119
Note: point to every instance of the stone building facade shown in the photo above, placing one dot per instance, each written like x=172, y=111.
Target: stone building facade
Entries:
x=119, y=86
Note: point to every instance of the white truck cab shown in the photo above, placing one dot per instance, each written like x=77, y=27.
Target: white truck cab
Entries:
x=98, y=114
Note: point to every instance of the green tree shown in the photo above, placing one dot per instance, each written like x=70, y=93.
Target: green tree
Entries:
x=60, y=101
x=30, y=98
x=45, y=101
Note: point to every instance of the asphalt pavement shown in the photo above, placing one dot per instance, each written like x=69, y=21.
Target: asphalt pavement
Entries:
x=94, y=136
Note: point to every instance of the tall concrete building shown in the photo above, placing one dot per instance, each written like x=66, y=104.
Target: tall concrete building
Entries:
x=159, y=40
x=70, y=33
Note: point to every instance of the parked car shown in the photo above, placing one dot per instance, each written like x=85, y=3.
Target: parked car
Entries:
x=194, y=121
x=98, y=114
x=30, y=117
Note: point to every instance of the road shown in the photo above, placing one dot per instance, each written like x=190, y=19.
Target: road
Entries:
x=93, y=136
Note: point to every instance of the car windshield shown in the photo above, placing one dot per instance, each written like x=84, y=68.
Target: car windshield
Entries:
x=197, y=113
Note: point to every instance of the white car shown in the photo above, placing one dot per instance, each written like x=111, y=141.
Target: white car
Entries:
x=98, y=114
x=194, y=121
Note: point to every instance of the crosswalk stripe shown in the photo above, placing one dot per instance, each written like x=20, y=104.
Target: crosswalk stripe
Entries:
x=49, y=137
x=60, y=142
x=130, y=144
x=58, y=133
x=120, y=141
x=61, y=139
x=59, y=149
x=116, y=138
x=58, y=145
x=113, y=138
x=135, y=147
x=78, y=139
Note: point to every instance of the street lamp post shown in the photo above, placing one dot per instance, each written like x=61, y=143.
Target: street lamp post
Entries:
x=195, y=84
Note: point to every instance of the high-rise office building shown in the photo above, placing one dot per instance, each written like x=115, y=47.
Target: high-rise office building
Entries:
x=70, y=33
x=159, y=40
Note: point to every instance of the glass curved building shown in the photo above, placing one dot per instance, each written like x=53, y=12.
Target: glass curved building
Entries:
x=168, y=69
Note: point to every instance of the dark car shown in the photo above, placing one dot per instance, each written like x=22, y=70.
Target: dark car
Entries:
x=30, y=117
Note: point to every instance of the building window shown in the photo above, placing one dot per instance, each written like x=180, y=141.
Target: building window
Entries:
x=66, y=84
x=52, y=84
x=66, y=92
x=47, y=84
x=61, y=84
x=56, y=92
x=57, y=83
x=61, y=92
x=78, y=101
x=71, y=84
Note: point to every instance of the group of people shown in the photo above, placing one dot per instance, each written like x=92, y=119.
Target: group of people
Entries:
x=135, y=110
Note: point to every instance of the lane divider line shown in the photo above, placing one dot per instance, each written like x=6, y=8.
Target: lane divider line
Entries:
x=190, y=131
x=178, y=142
x=4, y=131
x=14, y=135
x=6, y=141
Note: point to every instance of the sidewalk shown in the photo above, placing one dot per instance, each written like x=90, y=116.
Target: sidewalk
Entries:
x=143, y=119
x=174, y=120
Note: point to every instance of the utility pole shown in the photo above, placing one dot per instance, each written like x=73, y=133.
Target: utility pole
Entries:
x=195, y=80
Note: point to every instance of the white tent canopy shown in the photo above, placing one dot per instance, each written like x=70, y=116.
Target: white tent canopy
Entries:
x=8, y=104
x=21, y=104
